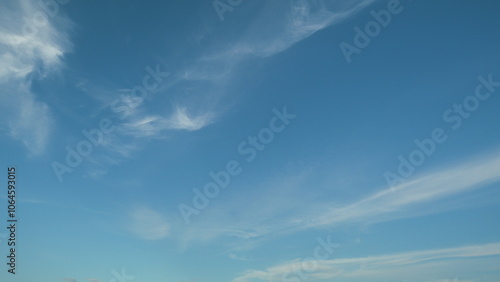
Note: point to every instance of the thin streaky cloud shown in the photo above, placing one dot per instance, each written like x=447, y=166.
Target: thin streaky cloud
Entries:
x=23, y=53
x=181, y=119
x=387, y=205
x=33, y=123
x=24, y=57
x=148, y=224
x=408, y=200
x=213, y=72
x=412, y=199
x=156, y=125
x=416, y=264
x=278, y=28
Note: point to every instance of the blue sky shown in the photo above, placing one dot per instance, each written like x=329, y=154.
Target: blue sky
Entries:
x=241, y=141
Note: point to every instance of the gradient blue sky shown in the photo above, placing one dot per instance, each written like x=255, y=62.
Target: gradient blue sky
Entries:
x=323, y=177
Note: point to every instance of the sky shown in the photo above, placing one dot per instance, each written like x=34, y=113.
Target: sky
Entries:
x=242, y=141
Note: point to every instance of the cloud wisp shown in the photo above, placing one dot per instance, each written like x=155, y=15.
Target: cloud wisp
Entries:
x=29, y=50
x=180, y=119
x=293, y=212
x=427, y=265
x=199, y=90
x=265, y=37
x=148, y=224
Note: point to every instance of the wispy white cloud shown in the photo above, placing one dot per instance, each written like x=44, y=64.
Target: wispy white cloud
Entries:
x=32, y=123
x=95, y=173
x=283, y=24
x=155, y=125
x=288, y=205
x=413, y=198
x=425, y=265
x=148, y=224
x=237, y=257
x=26, y=50
x=277, y=27
x=119, y=148
x=199, y=89
x=181, y=119
x=245, y=227
x=410, y=198
x=25, y=56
